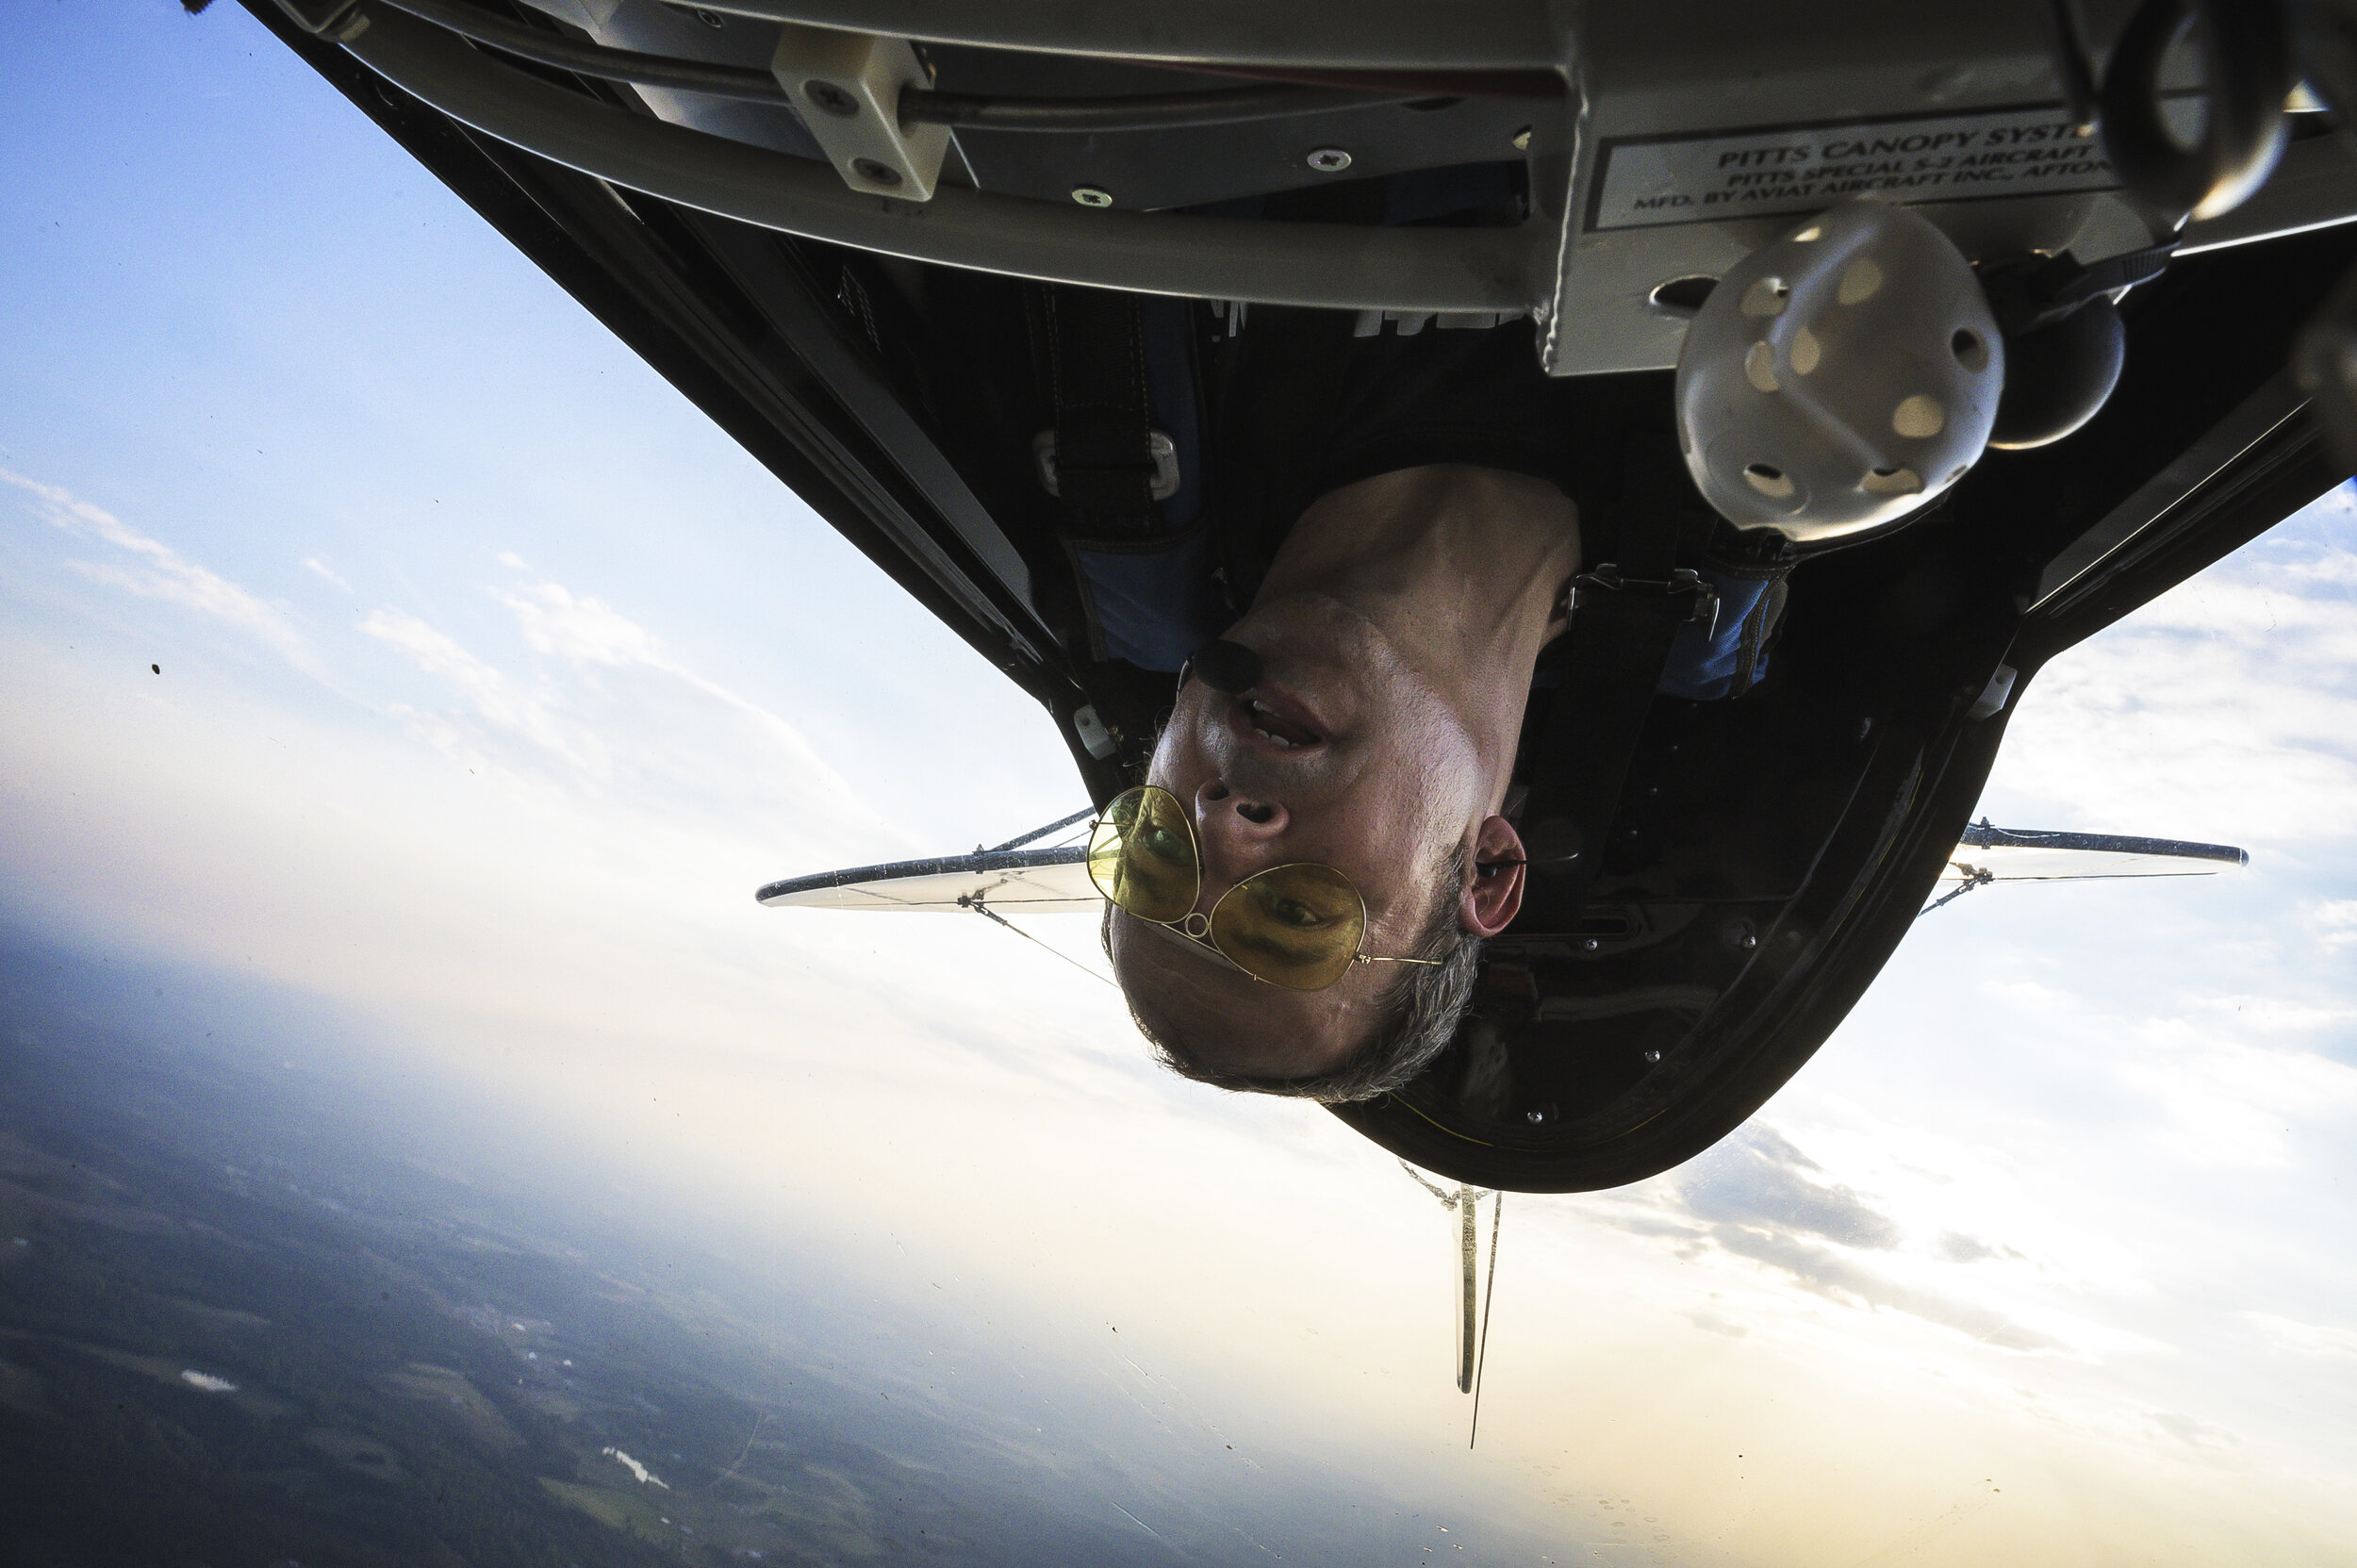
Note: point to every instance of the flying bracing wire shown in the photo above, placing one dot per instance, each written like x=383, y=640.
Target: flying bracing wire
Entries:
x=989, y=913
x=1448, y=1199
x=1040, y=833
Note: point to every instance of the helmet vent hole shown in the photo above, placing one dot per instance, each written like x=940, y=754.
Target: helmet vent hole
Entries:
x=1806, y=351
x=1768, y=480
x=1759, y=368
x=1961, y=470
x=1918, y=418
x=1969, y=351
x=1892, y=482
x=1767, y=297
x=1860, y=281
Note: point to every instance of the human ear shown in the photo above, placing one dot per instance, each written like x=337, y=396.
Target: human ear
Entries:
x=1491, y=900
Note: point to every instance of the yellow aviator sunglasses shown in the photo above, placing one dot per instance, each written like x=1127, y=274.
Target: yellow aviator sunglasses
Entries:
x=1297, y=926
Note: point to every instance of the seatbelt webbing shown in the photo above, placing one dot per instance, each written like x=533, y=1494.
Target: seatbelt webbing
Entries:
x=1625, y=617
x=1103, y=457
x=1620, y=643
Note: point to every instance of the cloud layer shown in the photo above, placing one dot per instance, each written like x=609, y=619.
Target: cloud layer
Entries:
x=153, y=569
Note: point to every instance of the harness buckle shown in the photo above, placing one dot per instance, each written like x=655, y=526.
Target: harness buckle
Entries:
x=1159, y=446
x=1606, y=578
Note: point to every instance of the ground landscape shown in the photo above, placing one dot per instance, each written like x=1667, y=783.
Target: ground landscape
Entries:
x=232, y=1332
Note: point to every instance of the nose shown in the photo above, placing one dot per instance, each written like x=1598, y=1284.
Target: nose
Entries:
x=1233, y=824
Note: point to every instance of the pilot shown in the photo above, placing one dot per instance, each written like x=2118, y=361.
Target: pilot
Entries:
x=1298, y=901
x=1396, y=631
x=1397, y=520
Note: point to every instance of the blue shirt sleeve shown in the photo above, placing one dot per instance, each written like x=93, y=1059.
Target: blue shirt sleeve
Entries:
x=1705, y=661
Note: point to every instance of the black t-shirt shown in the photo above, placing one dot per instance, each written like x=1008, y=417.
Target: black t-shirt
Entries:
x=1298, y=406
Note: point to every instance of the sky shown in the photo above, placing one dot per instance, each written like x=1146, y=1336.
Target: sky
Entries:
x=493, y=679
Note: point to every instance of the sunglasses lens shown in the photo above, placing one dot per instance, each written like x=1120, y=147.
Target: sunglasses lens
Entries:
x=1142, y=855
x=1294, y=926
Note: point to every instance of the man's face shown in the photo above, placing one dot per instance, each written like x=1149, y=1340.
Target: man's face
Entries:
x=1344, y=755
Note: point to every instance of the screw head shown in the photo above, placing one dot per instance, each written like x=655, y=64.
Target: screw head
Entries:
x=1088, y=195
x=874, y=172
x=1653, y=1056
x=829, y=98
x=1329, y=160
x=1588, y=943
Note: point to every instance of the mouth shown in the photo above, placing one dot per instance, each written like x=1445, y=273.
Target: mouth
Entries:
x=1275, y=716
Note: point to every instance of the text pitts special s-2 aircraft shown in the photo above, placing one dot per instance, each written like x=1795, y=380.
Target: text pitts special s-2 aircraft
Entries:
x=898, y=249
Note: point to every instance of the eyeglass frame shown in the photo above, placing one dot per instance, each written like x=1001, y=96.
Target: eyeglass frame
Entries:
x=1202, y=938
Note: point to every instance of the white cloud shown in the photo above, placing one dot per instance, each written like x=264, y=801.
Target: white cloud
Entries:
x=2306, y=1338
x=208, y=1382
x=159, y=572
x=495, y=698
x=1756, y=1196
x=2186, y=1430
x=609, y=710
x=589, y=630
x=318, y=567
x=2229, y=1101
x=2225, y=709
x=2333, y=923
x=509, y=558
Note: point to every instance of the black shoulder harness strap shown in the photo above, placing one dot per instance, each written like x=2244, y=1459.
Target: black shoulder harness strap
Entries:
x=1624, y=616
x=1099, y=456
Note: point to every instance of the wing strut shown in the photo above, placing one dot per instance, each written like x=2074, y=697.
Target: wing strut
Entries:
x=1469, y=1246
x=1473, y=1331
x=1488, y=1299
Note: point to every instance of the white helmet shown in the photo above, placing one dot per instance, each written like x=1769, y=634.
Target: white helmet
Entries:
x=1839, y=378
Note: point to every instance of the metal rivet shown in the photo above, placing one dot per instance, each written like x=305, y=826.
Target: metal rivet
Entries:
x=1329, y=160
x=1522, y=139
x=874, y=172
x=1088, y=195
